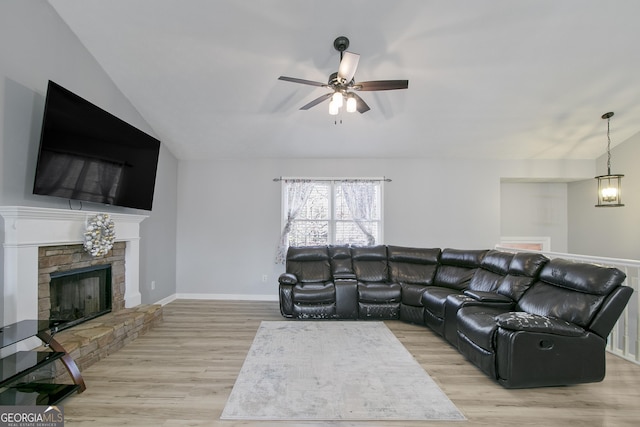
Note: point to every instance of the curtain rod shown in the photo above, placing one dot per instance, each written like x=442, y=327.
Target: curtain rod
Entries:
x=385, y=179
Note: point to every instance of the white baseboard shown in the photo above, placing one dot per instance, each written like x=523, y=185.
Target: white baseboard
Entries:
x=167, y=300
x=239, y=297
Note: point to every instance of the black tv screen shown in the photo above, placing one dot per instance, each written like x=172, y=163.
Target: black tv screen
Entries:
x=90, y=155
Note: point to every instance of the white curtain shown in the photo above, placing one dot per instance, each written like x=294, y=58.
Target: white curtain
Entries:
x=297, y=194
x=360, y=197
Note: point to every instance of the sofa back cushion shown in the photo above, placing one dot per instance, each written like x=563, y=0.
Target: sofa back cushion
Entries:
x=571, y=291
x=524, y=270
x=412, y=265
x=493, y=269
x=340, y=257
x=456, y=267
x=309, y=264
x=370, y=263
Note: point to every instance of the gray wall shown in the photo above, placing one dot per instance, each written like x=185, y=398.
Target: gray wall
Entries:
x=608, y=232
x=36, y=46
x=535, y=209
x=229, y=211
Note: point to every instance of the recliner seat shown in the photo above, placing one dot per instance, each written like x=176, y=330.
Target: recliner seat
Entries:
x=377, y=297
x=307, y=289
x=413, y=269
x=556, y=333
x=500, y=286
x=455, y=270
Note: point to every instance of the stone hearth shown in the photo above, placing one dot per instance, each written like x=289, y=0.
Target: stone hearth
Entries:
x=97, y=338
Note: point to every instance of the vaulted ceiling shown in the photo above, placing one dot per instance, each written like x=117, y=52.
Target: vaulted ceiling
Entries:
x=508, y=79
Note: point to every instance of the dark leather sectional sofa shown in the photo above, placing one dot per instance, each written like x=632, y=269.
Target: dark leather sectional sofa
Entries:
x=524, y=320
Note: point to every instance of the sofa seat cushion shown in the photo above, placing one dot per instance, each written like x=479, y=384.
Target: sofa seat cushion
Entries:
x=521, y=321
x=479, y=325
x=379, y=292
x=434, y=299
x=314, y=293
x=412, y=294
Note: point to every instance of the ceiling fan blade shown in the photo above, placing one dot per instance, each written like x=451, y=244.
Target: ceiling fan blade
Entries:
x=361, y=106
x=382, y=85
x=317, y=101
x=302, y=81
x=348, y=66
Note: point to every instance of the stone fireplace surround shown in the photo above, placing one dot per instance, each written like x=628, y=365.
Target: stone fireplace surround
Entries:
x=58, y=259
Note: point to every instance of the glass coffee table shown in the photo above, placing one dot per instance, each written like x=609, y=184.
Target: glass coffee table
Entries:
x=18, y=384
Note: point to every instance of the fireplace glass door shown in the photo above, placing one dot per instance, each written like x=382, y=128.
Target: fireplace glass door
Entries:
x=79, y=295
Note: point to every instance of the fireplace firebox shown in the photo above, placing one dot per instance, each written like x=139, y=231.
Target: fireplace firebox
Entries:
x=80, y=295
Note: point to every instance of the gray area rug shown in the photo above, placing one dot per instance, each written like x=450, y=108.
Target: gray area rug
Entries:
x=325, y=370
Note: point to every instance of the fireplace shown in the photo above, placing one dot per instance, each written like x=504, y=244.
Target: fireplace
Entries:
x=72, y=266
x=25, y=231
x=80, y=295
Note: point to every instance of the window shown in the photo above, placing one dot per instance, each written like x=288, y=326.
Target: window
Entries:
x=322, y=212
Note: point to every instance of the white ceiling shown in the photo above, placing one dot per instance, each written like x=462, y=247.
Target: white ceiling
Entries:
x=509, y=79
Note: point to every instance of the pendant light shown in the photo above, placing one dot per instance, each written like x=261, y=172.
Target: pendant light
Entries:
x=609, y=186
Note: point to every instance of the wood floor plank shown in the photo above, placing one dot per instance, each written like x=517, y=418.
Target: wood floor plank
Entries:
x=182, y=372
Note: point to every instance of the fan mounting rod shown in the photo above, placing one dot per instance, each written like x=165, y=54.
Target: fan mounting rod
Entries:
x=341, y=44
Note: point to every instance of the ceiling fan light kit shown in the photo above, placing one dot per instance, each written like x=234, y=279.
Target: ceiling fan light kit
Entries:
x=343, y=84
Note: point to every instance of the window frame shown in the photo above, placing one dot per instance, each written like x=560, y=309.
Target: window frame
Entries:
x=332, y=220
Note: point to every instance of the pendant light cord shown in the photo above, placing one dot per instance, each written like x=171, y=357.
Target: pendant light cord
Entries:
x=608, y=117
x=608, y=148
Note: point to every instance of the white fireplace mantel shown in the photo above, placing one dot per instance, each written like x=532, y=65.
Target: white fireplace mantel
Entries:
x=25, y=229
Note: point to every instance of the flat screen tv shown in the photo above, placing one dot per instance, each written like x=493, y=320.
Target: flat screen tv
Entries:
x=88, y=154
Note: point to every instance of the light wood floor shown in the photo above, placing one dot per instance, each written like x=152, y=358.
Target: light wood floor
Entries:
x=181, y=373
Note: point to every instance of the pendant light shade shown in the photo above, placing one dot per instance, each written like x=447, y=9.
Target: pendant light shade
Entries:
x=609, y=185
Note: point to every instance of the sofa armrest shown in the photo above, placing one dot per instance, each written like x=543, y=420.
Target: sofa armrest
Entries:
x=610, y=311
x=287, y=279
x=487, y=296
x=522, y=321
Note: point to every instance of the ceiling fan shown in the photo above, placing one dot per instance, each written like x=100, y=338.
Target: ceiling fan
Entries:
x=344, y=86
